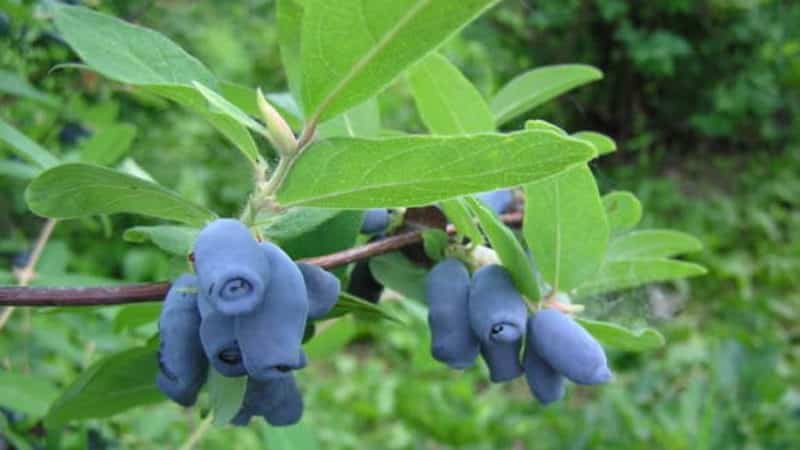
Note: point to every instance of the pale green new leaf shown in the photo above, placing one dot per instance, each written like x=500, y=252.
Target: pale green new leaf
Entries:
x=618, y=337
x=601, y=142
x=245, y=99
x=419, y=170
x=174, y=239
x=565, y=227
x=617, y=275
x=652, y=244
x=352, y=49
x=225, y=395
x=508, y=249
x=126, y=52
x=108, y=145
x=537, y=86
x=623, y=210
x=447, y=102
x=77, y=190
x=11, y=83
x=25, y=148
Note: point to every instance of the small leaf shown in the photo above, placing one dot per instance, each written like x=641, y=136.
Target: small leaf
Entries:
x=537, y=86
x=134, y=316
x=229, y=109
x=225, y=396
x=601, y=142
x=296, y=222
x=106, y=146
x=652, y=244
x=623, y=210
x=13, y=84
x=447, y=102
x=458, y=214
x=508, y=249
x=565, y=227
x=351, y=50
x=544, y=125
x=25, y=148
x=434, y=242
x=330, y=340
x=620, y=338
x=26, y=393
x=112, y=385
x=397, y=273
x=617, y=275
x=76, y=190
x=419, y=170
x=350, y=304
x=174, y=239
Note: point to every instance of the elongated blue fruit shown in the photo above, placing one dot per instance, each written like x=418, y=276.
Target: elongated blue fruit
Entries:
x=569, y=349
x=545, y=383
x=278, y=401
x=447, y=291
x=499, y=201
x=182, y=363
x=232, y=268
x=497, y=316
x=270, y=337
x=375, y=221
x=322, y=287
x=219, y=340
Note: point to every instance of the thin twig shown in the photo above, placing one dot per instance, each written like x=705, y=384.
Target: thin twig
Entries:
x=154, y=292
x=198, y=433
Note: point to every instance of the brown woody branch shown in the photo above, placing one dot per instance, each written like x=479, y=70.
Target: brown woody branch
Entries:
x=154, y=292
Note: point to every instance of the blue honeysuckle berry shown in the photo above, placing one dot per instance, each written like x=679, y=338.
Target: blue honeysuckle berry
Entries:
x=498, y=201
x=322, y=287
x=376, y=221
x=544, y=382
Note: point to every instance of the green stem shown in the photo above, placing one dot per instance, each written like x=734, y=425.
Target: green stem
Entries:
x=198, y=433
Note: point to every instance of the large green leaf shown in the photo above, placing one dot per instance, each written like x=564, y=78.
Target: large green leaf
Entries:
x=447, y=102
x=13, y=84
x=126, y=52
x=623, y=210
x=565, y=227
x=419, y=170
x=652, y=244
x=618, y=337
x=290, y=21
x=363, y=120
x=352, y=49
x=76, y=190
x=26, y=393
x=508, y=249
x=617, y=275
x=25, y=148
x=337, y=233
x=225, y=395
x=537, y=86
x=108, y=145
x=174, y=239
x=229, y=109
x=112, y=385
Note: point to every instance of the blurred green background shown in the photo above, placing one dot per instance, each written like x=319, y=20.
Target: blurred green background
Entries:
x=702, y=97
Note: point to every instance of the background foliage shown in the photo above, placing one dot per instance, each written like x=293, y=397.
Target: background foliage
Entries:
x=702, y=98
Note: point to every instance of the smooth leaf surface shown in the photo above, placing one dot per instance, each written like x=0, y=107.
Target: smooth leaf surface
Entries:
x=340, y=232
x=617, y=275
x=652, y=244
x=289, y=15
x=538, y=124
x=225, y=395
x=508, y=249
x=296, y=222
x=397, y=273
x=447, y=102
x=108, y=145
x=11, y=83
x=565, y=227
x=174, y=239
x=352, y=49
x=77, y=190
x=26, y=393
x=330, y=340
x=112, y=385
x=350, y=304
x=126, y=52
x=459, y=215
x=537, y=86
x=229, y=109
x=363, y=120
x=14, y=169
x=419, y=170
x=623, y=210
x=134, y=316
x=621, y=338
x=601, y=142
x=26, y=148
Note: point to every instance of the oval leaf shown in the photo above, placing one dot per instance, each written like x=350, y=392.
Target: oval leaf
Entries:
x=25, y=148
x=618, y=337
x=623, y=210
x=174, y=239
x=601, y=142
x=617, y=275
x=652, y=244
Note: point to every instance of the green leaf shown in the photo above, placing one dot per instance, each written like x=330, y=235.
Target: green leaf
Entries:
x=617, y=275
x=419, y=170
x=26, y=393
x=351, y=49
x=363, y=120
x=245, y=99
x=337, y=233
x=13, y=84
x=134, y=316
x=296, y=222
x=290, y=21
x=537, y=86
x=225, y=396
x=539, y=124
x=508, y=249
x=350, y=304
x=174, y=239
x=295, y=437
x=652, y=244
x=25, y=148
x=126, y=52
x=106, y=146
x=458, y=214
x=447, y=102
x=397, y=273
x=330, y=340
x=623, y=210
x=565, y=227
x=229, y=109
x=435, y=242
x=601, y=142
x=112, y=385
x=618, y=337
x=76, y=190
x=14, y=169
